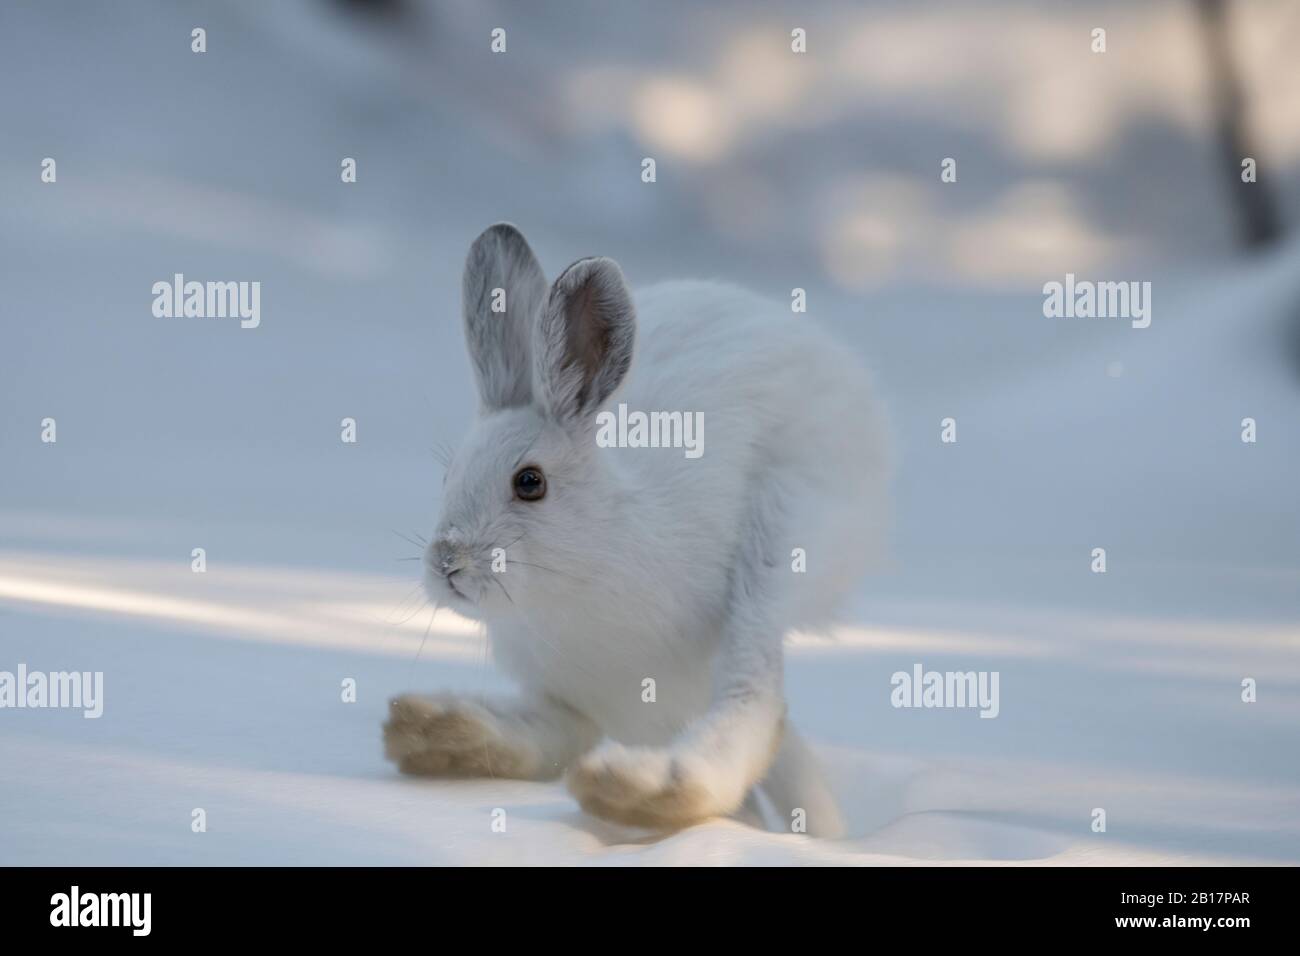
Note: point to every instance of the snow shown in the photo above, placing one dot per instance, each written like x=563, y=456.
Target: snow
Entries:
x=1119, y=691
x=223, y=693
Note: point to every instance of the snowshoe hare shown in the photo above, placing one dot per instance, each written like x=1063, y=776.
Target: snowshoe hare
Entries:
x=639, y=595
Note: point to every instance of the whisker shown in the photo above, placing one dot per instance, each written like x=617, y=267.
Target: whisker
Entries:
x=514, y=542
x=407, y=538
x=423, y=605
x=503, y=589
x=487, y=757
x=444, y=453
x=542, y=567
x=402, y=603
x=427, y=628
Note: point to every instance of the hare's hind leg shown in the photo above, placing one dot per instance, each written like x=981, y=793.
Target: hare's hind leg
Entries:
x=796, y=787
x=448, y=736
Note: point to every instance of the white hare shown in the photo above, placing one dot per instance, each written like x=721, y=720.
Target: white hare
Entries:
x=598, y=570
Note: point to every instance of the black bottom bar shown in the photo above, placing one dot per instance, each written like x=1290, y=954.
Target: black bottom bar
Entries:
x=333, y=906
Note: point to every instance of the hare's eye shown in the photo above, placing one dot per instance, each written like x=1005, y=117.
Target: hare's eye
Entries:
x=530, y=484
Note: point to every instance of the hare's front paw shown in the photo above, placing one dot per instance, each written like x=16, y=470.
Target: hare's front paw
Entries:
x=647, y=787
x=449, y=736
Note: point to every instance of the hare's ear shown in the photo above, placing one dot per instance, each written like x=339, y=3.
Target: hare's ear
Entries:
x=582, y=347
x=502, y=293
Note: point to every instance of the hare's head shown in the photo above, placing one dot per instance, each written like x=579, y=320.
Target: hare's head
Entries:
x=526, y=493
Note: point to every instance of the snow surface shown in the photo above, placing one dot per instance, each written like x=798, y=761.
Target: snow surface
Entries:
x=222, y=690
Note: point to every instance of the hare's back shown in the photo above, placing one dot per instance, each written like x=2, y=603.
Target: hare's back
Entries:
x=784, y=405
x=755, y=368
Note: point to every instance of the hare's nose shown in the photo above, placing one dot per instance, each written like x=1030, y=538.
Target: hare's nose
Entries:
x=447, y=557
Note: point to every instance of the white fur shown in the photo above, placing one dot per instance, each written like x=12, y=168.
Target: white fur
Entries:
x=642, y=563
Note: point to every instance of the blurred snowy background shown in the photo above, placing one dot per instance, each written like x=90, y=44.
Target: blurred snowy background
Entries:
x=775, y=170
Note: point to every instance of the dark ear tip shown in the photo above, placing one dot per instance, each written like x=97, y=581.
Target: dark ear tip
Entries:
x=587, y=268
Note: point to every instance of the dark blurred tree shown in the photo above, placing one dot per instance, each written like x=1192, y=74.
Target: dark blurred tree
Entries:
x=388, y=9
x=1255, y=203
